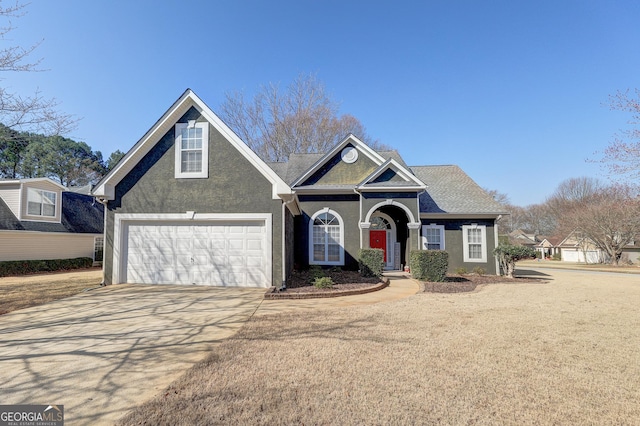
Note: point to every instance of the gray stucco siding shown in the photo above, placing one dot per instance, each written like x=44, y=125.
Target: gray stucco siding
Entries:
x=407, y=199
x=234, y=185
x=455, y=247
x=349, y=211
x=337, y=172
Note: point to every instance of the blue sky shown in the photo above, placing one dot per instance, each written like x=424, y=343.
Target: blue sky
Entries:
x=513, y=92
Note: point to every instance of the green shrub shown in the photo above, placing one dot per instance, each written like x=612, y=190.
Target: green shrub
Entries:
x=556, y=256
x=371, y=262
x=24, y=267
x=323, y=282
x=429, y=265
x=315, y=272
x=461, y=270
x=509, y=254
x=479, y=271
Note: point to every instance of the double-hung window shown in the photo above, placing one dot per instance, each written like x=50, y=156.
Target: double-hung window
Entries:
x=98, y=249
x=41, y=203
x=326, y=239
x=433, y=237
x=474, y=240
x=192, y=150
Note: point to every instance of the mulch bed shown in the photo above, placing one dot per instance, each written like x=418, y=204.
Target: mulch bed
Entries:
x=344, y=283
x=350, y=282
x=467, y=283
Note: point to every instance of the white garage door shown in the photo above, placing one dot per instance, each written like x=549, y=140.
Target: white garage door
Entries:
x=570, y=255
x=219, y=253
x=592, y=256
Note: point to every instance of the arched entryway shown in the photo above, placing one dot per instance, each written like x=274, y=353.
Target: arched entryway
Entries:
x=386, y=227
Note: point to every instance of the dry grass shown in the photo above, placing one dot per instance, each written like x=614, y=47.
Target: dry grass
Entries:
x=33, y=290
x=557, y=353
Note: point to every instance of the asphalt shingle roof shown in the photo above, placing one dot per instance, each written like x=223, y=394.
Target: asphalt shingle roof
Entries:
x=80, y=214
x=450, y=190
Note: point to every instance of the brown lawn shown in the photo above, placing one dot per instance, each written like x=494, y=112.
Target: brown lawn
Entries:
x=562, y=352
x=32, y=290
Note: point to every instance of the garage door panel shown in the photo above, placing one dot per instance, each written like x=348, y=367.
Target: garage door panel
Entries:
x=183, y=261
x=166, y=276
x=255, y=275
x=254, y=244
x=218, y=244
x=201, y=242
x=136, y=258
x=235, y=244
x=254, y=262
x=219, y=253
x=142, y=276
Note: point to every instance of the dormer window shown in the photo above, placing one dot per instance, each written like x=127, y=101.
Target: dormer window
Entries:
x=192, y=150
x=41, y=203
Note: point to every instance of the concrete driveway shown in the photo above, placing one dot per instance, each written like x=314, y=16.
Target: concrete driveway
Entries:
x=103, y=352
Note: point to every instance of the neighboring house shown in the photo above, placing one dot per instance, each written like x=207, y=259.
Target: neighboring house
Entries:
x=548, y=246
x=631, y=253
x=522, y=238
x=42, y=220
x=190, y=203
x=579, y=249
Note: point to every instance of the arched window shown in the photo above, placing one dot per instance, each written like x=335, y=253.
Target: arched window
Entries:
x=326, y=239
x=378, y=222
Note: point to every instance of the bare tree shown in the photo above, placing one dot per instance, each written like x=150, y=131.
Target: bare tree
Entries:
x=606, y=216
x=622, y=156
x=299, y=119
x=500, y=197
x=573, y=192
x=35, y=112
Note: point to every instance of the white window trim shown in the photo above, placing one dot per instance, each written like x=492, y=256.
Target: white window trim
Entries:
x=204, y=173
x=95, y=247
x=40, y=192
x=465, y=243
x=424, y=235
x=340, y=262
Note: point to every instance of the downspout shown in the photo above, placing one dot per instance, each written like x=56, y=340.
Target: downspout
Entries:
x=495, y=242
x=420, y=219
x=104, y=238
x=360, y=216
x=284, y=244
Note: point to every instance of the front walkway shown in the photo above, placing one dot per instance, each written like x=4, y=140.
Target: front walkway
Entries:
x=400, y=286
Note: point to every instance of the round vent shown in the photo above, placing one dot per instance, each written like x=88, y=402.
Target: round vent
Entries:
x=349, y=155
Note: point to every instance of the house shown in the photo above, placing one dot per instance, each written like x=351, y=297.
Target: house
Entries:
x=522, y=238
x=42, y=220
x=190, y=203
x=581, y=249
x=548, y=246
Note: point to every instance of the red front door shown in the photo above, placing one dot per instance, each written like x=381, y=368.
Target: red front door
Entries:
x=378, y=239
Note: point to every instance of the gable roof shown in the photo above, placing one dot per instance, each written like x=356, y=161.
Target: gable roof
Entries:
x=106, y=187
x=350, y=139
x=27, y=180
x=80, y=214
x=452, y=191
x=302, y=166
x=407, y=179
